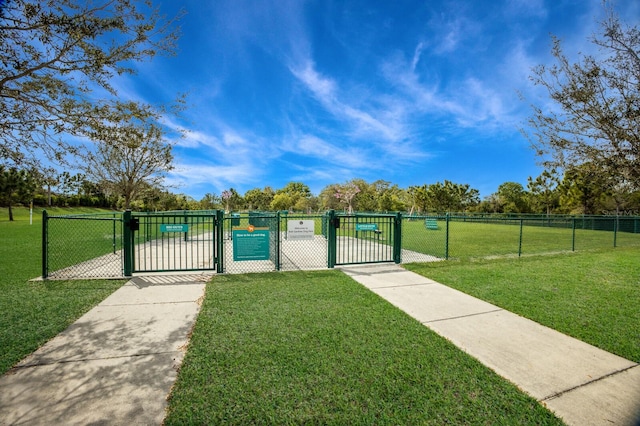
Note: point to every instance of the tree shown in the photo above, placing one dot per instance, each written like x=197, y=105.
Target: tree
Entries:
x=210, y=201
x=57, y=60
x=542, y=191
x=583, y=189
x=345, y=193
x=14, y=183
x=419, y=198
x=231, y=199
x=290, y=196
x=451, y=197
x=512, y=198
x=259, y=199
x=597, y=119
x=133, y=158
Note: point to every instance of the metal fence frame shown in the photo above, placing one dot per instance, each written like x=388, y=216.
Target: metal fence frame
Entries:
x=104, y=245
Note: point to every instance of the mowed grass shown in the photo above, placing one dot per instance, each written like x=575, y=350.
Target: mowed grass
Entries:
x=593, y=296
x=474, y=240
x=319, y=348
x=34, y=312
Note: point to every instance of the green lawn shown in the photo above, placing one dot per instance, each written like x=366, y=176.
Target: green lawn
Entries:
x=319, y=348
x=34, y=312
x=593, y=296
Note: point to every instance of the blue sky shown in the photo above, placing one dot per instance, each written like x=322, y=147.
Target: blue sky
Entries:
x=321, y=91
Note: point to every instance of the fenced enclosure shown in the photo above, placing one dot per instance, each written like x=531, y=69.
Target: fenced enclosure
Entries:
x=121, y=244
x=463, y=236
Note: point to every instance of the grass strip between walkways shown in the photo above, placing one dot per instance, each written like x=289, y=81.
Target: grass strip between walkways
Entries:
x=34, y=312
x=592, y=296
x=318, y=348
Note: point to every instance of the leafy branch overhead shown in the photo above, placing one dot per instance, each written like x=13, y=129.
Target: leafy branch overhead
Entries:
x=595, y=113
x=57, y=62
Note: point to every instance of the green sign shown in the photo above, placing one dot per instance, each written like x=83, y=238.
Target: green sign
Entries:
x=250, y=244
x=366, y=226
x=180, y=227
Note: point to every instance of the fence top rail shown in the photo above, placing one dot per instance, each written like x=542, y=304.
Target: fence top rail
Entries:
x=89, y=216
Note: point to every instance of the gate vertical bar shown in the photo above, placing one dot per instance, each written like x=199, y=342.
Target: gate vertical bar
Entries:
x=45, y=242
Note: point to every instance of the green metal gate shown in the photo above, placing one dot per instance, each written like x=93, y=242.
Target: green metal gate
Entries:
x=172, y=241
x=364, y=238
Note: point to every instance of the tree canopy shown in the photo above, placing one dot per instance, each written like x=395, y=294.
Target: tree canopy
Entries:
x=595, y=117
x=57, y=61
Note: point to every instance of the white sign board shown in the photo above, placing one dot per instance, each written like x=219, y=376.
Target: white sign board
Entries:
x=300, y=229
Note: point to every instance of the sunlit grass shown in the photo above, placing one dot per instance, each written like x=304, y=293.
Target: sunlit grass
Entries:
x=318, y=348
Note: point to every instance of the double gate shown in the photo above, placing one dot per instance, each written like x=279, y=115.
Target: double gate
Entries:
x=139, y=242
x=259, y=241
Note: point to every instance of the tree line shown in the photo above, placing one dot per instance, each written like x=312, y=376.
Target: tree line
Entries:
x=581, y=190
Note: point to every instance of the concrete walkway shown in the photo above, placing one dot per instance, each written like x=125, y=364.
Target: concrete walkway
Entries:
x=582, y=384
x=115, y=365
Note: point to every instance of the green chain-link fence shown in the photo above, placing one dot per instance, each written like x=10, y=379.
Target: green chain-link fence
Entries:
x=104, y=245
x=468, y=236
x=82, y=246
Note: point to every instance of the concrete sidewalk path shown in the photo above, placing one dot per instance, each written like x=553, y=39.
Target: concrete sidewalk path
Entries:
x=582, y=384
x=114, y=365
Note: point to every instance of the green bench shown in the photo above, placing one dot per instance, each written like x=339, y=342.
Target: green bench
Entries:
x=431, y=224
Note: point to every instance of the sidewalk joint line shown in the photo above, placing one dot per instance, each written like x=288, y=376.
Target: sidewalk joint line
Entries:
x=70, y=361
x=403, y=285
x=463, y=316
x=597, y=379
x=148, y=303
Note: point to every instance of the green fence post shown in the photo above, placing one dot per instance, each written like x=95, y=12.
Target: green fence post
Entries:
x=128, y=244
x=520, y=241
x=219, y=241
x=45, y=236
x=277, y=240
x=397, y=238
x=331, y=240
x=446, y=238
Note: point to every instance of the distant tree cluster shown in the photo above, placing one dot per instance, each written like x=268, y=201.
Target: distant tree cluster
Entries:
x=581, y=190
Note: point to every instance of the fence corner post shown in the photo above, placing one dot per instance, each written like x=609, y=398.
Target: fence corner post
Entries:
x=45, y=232
x=331, y=239
x=219, y=241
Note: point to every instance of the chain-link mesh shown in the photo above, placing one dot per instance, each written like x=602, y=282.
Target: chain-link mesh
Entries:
x=459, y=237
x=83, y=246
x=265, y=241
x=92, y=246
